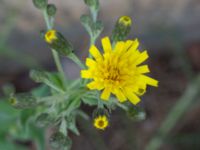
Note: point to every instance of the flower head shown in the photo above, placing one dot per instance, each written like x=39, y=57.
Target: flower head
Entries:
x=122, y=28
x=118, y=71
x=101, y=122
x=50, y=36
x=126, y=20
x=58, y=42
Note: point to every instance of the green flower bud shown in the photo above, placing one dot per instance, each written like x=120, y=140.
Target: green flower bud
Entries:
x=59, y=141
x=92, y=3
x=38, y=76
x=40, y=4
x=43, y=120
x=51, y=10
x=8, y=89
x=136, y=113
x=57, y=42
x=122, y=28
x=23, y=101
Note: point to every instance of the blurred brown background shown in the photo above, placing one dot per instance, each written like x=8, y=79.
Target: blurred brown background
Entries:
x=168, y=29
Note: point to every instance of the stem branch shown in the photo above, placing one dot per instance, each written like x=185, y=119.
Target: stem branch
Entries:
x=55, y=54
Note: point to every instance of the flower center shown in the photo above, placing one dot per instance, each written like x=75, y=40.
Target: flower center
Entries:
x=112, y=76
x=101, y=123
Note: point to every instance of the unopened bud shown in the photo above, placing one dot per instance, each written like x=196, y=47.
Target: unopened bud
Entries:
x=57, y=42
x=38, y=76
x=122, y=28
x=40, y=4
x=23, y=101
x=51, y=10
x=43, y=120
x=136, y=113
x=92, y=3
x=59, y=141
x=8, y=89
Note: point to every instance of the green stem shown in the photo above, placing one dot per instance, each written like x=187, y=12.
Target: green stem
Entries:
x=175, y=114
x=54, y=87
x=74, y=58
x=55, y=54
x=46, y=18
x=94, y=14
x=58, y=64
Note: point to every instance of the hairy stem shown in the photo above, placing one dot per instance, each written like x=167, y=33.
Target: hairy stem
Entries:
x=74, y=58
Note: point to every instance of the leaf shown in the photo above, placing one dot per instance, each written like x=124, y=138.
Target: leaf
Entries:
x=74, y=104
x=51, y=79
x=90, y=99
x=38, y=135
x=71, y=124
x=86, y=21
x=56, y=80
x=97, y=28
x=8, y=116
x=82, y=114
x=8, y=145
x=41, y=91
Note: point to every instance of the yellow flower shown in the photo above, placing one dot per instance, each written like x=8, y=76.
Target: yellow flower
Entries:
x=101, y=122
x=118, y=71
x=50, y=36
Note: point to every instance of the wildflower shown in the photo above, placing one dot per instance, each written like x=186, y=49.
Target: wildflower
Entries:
x=50, y=36
x=100, y=118
x=122, y=28
x=101, y=122
x=58, y=42
x=118, y=71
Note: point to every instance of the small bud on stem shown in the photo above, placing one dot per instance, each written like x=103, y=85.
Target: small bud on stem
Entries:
x=57, y=42
x=122, y=28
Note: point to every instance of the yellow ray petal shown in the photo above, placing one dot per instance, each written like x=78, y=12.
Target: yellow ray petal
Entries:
x=86, y=74
x=128, y=44
x=106, y=45
x=95, y=85
x=149, y=80
x=141, y=89
x=143, y=69
x=143, y=56
x=95, y=52
x=134, y=99
x=134, y=45
x=90, y=62
x=105, y=94
x=120, y=96
x=119, y=48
